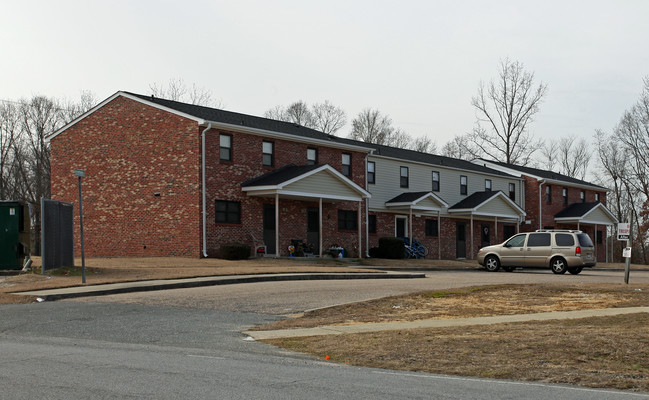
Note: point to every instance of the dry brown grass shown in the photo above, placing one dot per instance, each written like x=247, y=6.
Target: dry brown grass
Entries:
x=610, y=352
x=113, y=270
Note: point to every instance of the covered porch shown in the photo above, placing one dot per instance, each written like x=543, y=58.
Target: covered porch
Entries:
x=592, y=215
x=314, y=187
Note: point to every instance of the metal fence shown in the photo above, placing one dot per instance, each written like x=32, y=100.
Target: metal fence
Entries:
x=57, y=234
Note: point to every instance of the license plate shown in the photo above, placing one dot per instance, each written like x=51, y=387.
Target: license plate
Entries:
x=589, y=255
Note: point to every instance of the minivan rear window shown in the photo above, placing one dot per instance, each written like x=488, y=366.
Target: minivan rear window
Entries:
x=564, y=239
x=538, y=239
x=584, y=240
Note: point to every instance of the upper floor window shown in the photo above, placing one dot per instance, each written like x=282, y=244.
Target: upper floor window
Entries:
x=564, y=193
x=268, y=150
x=435, y=181
x=512, y=191
x=487, y=185
x=582, y=196
x=311, y=156
x=347, y=164
x=227, y=212
x=463, y=184
x=371, y=172
x=596, y=196
x=403, y=181
x=225, y=144
x=548, y=194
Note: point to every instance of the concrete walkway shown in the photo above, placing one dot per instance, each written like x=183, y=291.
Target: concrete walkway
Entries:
x=441, y=323
x=165, y=284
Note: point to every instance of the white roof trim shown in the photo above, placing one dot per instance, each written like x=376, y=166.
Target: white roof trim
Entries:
x=111, y=98
x=414, y=202
x=497, y=194
x=584, y=220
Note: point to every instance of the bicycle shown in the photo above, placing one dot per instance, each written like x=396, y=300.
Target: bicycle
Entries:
x=414, y=248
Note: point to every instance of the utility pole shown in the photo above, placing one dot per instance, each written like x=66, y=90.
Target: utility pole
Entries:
x=81, y=173
x=627, y=268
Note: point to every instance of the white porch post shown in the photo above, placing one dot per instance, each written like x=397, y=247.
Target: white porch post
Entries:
x=277, y=251
x=360, y=228
x=595, y=243
x=439, y=236
x=496, y=230
x=578, y=228
x=471, y=233
x=320, y=227
x=410, y=226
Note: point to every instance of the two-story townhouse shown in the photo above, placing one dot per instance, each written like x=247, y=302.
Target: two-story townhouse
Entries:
x=557, y=201
x=168, y=178
x=452, y=206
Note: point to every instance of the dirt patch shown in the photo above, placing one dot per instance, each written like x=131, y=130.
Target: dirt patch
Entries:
x=113, y=270
x=469, y=302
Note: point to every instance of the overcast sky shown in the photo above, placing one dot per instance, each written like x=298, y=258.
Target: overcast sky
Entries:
x=418, y=61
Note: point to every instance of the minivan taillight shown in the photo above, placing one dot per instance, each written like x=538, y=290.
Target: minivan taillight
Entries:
x=578, y=251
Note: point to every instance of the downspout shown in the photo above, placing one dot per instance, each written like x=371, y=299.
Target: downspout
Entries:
x=541, y=204
x=204, y=195
x=367, y=215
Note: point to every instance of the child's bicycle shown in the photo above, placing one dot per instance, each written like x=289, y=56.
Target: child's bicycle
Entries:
x=414, y=250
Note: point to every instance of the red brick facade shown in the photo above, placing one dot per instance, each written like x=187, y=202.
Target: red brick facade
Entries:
x=141, y=193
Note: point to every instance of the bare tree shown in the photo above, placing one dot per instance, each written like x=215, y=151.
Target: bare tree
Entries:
x=504, y=110
x=568, y=156
x=177, y=90
x=371, y=126
x=299, y=113
x=9, y=137
x=424, y=144
x=328, y=118
x=460, y=147
x=548, y=155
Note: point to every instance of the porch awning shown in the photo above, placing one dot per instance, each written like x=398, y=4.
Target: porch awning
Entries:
x=592, y=213
x=488, y=204
x=306, y=182
x=417, y=201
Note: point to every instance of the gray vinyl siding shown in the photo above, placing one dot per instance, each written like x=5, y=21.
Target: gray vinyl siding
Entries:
x=322, y=182
x=421, y=180
x=598, y=215
x=498, y=207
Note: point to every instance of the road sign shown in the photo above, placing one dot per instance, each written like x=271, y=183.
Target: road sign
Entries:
x=626, y=253
x=623, y=231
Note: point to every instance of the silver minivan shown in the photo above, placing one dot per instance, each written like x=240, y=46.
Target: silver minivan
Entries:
x=561, y=250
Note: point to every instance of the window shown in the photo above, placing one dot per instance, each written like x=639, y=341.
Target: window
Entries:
x=347, y=164
x=347, y=220
x=564, y=239
x=596, y=196
x=267, y=153
x=516, y=241
x=371, y=223
x=548, y=194
x=371, y=172
x=487, y=185
x=463, y=184
x=600, y=236
x=435, y=181
x=403, y=182
x=431, y=227
x=512, y=191
x=225, y=147
x=582, y=196
x=228, y=212
x=311, y=156
x=538, y=239
x=564, y=193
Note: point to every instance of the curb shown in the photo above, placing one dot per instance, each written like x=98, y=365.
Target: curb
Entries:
x=146, y=286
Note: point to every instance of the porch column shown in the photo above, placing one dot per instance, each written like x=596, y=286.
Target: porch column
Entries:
x=578, y=226
x=496, y=230
x=471, y=236
x=439, y=236
x=320, y=227
x=595, y=242
x=277, y=251
x=360, y=229
x=410, y=226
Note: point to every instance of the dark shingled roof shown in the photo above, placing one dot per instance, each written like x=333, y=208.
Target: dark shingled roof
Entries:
x=250, y=121
x=407, y=197
x=244, y=120
x=280, y=175
x=576, y=209
x=544, y=174
x=474, y=200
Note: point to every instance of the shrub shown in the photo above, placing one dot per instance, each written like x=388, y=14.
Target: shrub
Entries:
x=392, y=247
x=235, y=251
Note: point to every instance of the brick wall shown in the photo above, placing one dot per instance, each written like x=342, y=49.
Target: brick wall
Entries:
x=141, y=193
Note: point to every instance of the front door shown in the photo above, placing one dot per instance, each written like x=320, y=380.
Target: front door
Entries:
x=269, y=228
x=484, y=235
x=401, y=228
x=313, y=229
x=460, y=242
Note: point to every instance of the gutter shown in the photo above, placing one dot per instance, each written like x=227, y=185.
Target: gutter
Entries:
x=204, y=188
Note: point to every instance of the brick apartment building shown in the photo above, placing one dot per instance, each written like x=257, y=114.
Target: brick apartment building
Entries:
x=165, y=178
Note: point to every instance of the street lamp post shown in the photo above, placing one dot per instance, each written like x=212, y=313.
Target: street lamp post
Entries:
x=81, y=174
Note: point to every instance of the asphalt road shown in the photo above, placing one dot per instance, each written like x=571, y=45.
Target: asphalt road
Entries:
x=185, y=343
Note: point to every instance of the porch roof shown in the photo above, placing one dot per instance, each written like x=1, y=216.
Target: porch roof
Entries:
x=488, y=204
x=305, y=182
x=420, y=201
x=594, y=213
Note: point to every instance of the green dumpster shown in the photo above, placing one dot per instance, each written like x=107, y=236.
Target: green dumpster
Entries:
x=14, y=234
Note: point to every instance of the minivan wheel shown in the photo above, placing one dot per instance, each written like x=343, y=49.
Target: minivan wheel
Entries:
x=558, y=265
x=575, y=271
x=492, y=264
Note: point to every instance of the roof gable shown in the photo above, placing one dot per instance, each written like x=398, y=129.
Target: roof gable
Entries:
x=591, y=212
x=488, y=203
x=418, y=201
